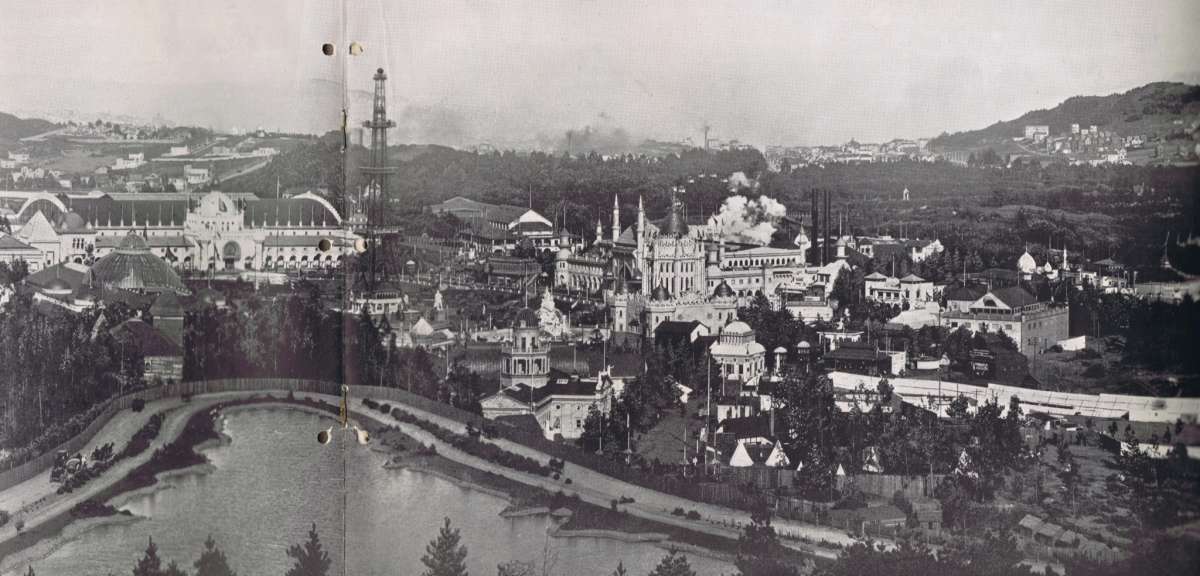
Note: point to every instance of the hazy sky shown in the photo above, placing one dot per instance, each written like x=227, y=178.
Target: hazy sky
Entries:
x=464, y=72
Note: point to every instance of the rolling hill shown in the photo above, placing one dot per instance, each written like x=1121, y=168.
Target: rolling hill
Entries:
x=1152, y=109
x=13, y=129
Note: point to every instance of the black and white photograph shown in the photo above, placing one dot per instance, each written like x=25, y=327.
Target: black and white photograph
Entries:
x=581, y=288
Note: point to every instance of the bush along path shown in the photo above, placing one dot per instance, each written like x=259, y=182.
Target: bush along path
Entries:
x=467, y=443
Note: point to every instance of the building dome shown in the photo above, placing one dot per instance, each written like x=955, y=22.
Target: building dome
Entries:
x=723, y=290
x=660, y=294
x=74, y=223
x=133, y=267
x=1026, y=264
x=781, y=350
x=526, y=318
x=58, y=287
x=804, y=345
x=564, y=253
x=675, y=226
x=738, y=328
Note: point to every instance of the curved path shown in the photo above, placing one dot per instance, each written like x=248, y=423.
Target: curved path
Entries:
x=599, y=489
x=591, y=486
x=37, y=497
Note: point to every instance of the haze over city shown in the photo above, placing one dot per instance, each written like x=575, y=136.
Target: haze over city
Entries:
x=464, y=73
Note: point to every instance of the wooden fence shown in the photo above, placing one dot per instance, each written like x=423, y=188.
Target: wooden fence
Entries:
x=886, y=485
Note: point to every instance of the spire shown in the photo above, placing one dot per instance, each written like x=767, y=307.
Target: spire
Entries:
x=616, y=226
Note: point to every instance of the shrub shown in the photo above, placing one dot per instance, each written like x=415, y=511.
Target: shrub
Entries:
x=1096, y=370
x=677, y=512
x=568, y=480
x=138, y=405
x=369, y=403
x=693, y=515
x=20, y=524
x=384, y=408
x=4, y=517
x=613, y=504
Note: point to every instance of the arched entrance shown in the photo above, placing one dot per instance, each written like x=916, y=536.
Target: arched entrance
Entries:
x=231, y=254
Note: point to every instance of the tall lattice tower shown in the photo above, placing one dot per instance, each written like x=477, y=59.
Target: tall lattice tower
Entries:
x=376, y=172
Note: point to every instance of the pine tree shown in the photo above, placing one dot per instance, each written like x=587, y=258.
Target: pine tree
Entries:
x=673, y=564
x=150, y=564
x=620, y=571
x=30, y=573
x=444, y=556
x=212, y=561
x=310, y=559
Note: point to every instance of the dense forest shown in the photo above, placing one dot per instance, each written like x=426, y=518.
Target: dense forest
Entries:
x=57, y=365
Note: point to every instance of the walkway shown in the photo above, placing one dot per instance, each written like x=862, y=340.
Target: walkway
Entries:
x=599, y=489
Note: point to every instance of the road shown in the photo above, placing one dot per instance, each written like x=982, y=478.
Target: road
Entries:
x=599, y=489
x=243, y=170
x=40, y=503
x=118, y=431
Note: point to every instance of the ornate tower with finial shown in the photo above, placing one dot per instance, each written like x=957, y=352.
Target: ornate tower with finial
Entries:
x=616, y=226
x=376, y=172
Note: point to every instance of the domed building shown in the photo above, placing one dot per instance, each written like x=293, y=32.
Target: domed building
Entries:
x=132, y=267
x=1026, y=264
x=742, y=359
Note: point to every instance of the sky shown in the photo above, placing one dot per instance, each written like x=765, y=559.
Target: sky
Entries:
x=515, y=72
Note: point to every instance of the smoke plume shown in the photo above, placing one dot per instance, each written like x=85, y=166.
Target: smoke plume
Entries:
x=738, y=181
x=745, y=220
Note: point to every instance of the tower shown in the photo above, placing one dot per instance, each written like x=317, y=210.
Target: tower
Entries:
x=616, y=230
x=376, y=171
x=641, y=234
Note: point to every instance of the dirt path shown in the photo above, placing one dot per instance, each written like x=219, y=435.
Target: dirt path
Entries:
x=599, y=489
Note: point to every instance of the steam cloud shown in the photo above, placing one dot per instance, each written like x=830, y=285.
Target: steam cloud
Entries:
x=738, y=181
x=745, y=220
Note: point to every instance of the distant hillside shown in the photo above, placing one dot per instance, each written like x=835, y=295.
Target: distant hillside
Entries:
x=13, y=129
x=1151, y=109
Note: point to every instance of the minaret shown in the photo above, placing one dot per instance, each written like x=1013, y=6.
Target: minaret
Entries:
x=377, y=170
x=641, y=233
x=616, y=230
x=599, y=231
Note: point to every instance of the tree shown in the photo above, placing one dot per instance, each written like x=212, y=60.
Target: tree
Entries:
x=885, y=389
x=958, y=408
x=310, y=559
x=673, y=564
x=444, y=555
x=150, y=564
x=212, y=561
x=758, y=550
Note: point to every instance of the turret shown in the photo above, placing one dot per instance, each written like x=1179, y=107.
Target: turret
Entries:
x=616, y=226
x=641, y=233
